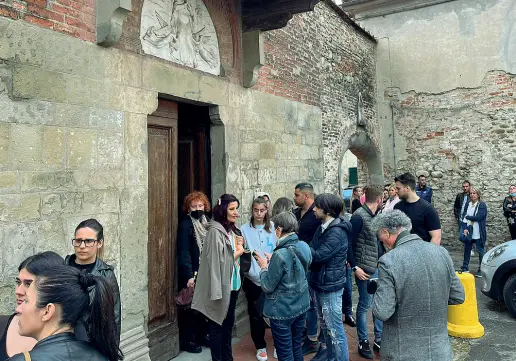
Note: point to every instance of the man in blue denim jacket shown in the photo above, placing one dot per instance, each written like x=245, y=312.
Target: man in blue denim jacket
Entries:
x=329, y=274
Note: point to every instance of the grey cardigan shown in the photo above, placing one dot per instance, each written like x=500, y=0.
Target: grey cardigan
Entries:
x=213, y=286
x=416, y=284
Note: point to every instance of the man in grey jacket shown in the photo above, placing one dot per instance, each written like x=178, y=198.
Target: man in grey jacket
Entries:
x=416, y=284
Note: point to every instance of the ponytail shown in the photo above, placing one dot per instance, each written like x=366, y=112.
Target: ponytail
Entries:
x=69, y=288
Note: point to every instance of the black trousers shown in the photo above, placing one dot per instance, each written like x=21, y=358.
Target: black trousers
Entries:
x=252, y=294
x=193, y=326
x=512, y=229
x=220, y=335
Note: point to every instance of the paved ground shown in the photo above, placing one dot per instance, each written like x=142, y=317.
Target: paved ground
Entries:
x=499, y=342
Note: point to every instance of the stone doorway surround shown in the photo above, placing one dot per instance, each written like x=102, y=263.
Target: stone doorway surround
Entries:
x=369, y=159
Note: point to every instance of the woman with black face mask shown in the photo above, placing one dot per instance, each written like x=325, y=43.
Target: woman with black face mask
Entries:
x=190, y=240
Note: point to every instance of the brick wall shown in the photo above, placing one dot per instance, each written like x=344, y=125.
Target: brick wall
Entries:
x=73, y=17
x=320, y=58
x=462, y=134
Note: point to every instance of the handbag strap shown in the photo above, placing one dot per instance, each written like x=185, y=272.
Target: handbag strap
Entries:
x=26, y=354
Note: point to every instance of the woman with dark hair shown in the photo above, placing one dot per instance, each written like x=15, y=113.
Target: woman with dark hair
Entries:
x=11, y=342
x=283, y=204
x=54, y=303
x=190, y=240
x=218, y=281
x=88, y=243
x=260, y=238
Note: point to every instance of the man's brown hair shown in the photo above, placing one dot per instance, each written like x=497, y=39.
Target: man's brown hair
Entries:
x=372, y=193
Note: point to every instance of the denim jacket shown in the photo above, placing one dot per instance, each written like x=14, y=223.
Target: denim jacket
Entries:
x=284, y=281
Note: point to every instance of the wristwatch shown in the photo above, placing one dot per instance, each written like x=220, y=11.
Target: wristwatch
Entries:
x=354, y=268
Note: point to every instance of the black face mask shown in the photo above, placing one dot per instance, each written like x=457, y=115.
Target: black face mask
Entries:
x=197, y=214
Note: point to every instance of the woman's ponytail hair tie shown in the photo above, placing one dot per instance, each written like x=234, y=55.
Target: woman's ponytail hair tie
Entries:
x=86, y=280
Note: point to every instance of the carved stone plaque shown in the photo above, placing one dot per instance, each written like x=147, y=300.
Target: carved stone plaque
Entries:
x=180, y=31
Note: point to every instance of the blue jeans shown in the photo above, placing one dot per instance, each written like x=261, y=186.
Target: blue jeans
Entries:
x=347, y=304
x=365, y=301
x=312, y=328
x=468, y=246
x=287, y=336
x=329, y=306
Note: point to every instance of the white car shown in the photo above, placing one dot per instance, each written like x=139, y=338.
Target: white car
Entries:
x=499, y=274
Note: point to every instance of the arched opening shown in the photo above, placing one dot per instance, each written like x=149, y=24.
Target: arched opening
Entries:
x=360, y=163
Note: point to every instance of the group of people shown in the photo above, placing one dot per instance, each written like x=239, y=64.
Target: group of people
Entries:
x=303, y=255
x=63, y=302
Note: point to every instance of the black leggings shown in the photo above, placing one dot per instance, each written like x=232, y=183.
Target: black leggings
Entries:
x=220, y=335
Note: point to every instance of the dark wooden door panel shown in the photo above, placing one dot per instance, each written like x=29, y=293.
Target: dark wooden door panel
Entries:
x=162, y=150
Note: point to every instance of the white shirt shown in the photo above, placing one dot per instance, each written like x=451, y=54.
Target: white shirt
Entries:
x=327, y=223
x=472, y=208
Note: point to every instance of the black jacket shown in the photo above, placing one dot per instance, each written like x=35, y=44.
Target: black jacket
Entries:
x=308, y=224
x=457, y=206
x=329, y=256
x=100, y=269
x=62, y=347
x=188, y=254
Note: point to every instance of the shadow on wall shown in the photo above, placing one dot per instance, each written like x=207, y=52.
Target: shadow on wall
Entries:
x=368, y=164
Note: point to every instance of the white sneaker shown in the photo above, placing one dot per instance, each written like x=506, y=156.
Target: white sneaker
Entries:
x=275, y=354
x=261, y=354
x=472, y=252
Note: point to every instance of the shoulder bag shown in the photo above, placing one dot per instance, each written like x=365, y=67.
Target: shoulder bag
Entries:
x=27, y=356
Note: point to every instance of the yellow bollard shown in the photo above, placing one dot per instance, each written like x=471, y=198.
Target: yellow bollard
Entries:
x=463, y=319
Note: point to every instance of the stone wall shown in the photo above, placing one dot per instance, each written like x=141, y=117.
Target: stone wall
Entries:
x=462, y=134
x=73, y=143
x=450, y=100
x=322, y=58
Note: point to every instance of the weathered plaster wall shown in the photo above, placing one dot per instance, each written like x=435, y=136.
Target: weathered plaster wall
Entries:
x=445, y=69
x=73, y=145
x=319, y=58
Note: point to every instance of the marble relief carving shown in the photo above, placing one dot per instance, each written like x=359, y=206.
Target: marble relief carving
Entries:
x=180, y=31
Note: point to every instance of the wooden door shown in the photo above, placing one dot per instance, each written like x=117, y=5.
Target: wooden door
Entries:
x=162, y=148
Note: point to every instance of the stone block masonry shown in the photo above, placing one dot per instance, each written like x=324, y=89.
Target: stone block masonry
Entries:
x=462, y=134
x=73, y=145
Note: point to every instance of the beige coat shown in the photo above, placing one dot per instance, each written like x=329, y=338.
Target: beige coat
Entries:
x=213, y=286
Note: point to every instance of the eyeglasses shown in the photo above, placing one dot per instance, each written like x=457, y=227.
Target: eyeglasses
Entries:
x=77, y=242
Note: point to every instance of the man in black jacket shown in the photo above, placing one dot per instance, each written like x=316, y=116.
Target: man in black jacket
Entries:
x=363, y=257
x=461, y=200
x=328, y=275
x=308, y=224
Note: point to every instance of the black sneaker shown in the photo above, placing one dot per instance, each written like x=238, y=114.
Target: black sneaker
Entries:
x=377, y=345
x=310, y=346
x=364, y=349
x=350, y=320
x=478, y=274
x=321, y=355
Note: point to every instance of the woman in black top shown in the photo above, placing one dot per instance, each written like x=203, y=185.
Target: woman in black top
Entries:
x=51, y=308
x=357, y=193
x=11, y=343
x=190, y=239
x=88, y=244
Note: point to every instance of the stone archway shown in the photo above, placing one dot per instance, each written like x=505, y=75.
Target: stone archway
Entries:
x=363, y=147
